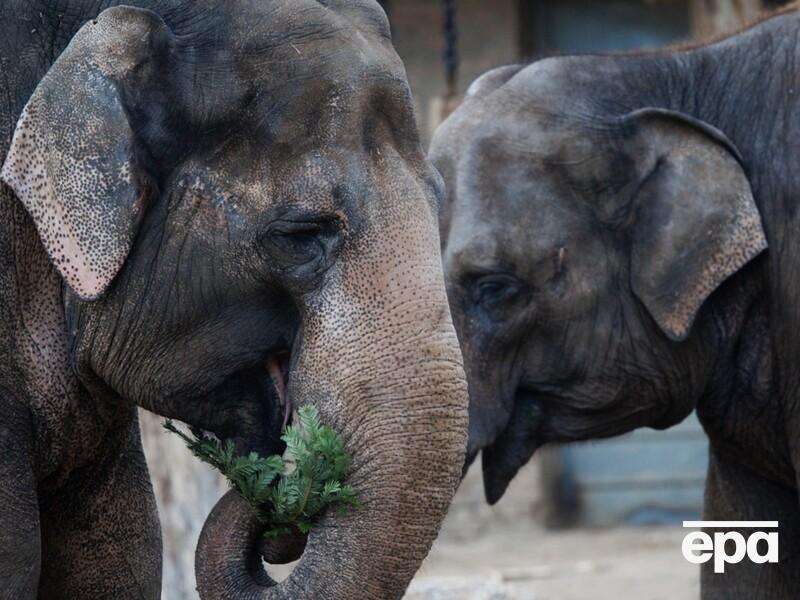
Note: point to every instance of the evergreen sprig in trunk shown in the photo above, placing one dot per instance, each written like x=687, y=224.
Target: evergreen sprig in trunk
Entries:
x=289, y=492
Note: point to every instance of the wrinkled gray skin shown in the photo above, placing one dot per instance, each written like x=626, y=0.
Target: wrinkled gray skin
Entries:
x=191, y=194
x=621, y=246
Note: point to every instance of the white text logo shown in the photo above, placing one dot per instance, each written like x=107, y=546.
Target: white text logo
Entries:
x=699, y=547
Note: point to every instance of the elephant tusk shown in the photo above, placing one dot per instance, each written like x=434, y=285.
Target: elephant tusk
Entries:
x=278, y=368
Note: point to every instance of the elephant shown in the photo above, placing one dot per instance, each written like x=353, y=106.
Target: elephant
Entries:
x=218, y=212
x=621, y=247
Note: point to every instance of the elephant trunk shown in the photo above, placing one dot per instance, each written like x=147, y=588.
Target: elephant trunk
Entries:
x=406, y=431
x=227, y=563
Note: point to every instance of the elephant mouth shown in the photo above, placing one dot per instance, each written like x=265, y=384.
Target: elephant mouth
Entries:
x=514, y=447
x=250, y=407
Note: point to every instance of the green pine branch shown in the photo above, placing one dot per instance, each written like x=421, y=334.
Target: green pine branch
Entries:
x=288, y=493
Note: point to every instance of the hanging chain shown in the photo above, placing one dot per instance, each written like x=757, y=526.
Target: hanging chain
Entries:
x=451, y=47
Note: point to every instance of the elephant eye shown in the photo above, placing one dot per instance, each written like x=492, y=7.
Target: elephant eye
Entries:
x=291, y=243
x=299, y=242
x=494, y=292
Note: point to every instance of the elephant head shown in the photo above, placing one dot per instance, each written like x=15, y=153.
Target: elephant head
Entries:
x=583, y=242
x=236, y=199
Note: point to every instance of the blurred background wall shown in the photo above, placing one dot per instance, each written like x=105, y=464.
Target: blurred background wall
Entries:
x=644, y=477
x=492, y=33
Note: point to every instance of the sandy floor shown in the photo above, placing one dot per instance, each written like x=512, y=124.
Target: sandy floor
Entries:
x=530, y=563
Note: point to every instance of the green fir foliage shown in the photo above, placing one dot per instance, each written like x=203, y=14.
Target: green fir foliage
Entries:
x=285, y=493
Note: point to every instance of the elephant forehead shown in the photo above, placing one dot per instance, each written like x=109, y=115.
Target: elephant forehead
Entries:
x=512, y=204
x=536, y=116
x=502, y=180
x=281, y=70
x=304, y=41
x=313, y=17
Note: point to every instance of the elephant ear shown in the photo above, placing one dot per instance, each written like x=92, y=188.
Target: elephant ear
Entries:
x=71, y=160
x=696, y=222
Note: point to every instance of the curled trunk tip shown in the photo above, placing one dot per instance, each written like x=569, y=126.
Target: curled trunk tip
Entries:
x=228, y=561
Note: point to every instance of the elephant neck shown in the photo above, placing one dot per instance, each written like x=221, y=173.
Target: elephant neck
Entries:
x=35, y=33
x=745, y=87
x=69, y=424
x=741, y=410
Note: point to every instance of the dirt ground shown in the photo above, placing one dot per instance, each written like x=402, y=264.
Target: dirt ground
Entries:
x=526, y=562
